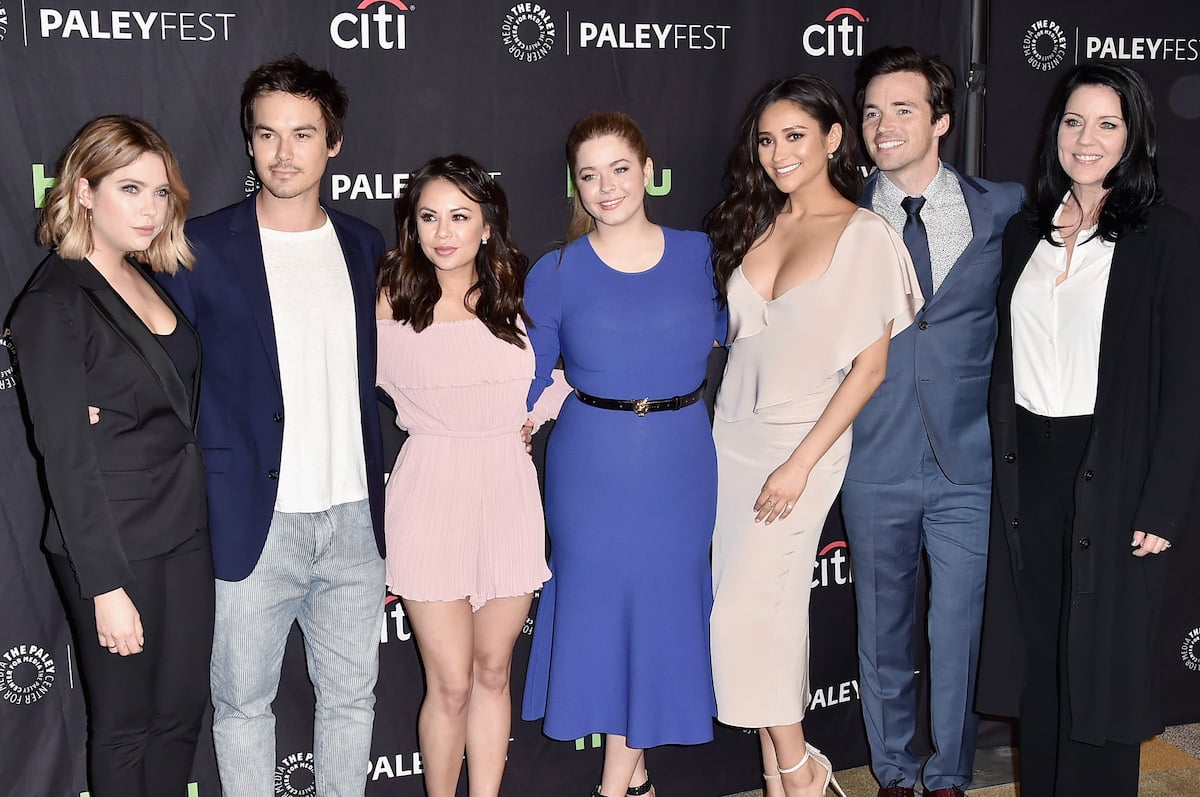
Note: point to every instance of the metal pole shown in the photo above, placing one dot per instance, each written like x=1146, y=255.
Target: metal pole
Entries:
x=976, y=88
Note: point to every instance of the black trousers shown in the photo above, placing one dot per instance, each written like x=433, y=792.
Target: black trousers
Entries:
x=1051, y=763
x=145, y=710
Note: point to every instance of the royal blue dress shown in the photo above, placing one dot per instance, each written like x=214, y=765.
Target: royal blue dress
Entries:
x=620, y=643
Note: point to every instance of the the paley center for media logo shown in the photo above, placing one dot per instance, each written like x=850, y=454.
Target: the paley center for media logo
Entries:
x=1044, y=44
x=3, y=22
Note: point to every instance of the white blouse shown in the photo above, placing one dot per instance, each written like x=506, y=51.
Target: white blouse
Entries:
x=1056, y=326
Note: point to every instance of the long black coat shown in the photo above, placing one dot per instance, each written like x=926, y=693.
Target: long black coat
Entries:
x=1140, y=471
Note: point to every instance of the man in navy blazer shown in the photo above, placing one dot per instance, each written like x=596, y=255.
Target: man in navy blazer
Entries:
x=282, y=296
x=919, y=478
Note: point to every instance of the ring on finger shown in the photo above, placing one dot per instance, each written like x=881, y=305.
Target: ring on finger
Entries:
x=1166, y=545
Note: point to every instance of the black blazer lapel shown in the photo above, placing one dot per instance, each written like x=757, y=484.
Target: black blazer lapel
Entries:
x=113, y=309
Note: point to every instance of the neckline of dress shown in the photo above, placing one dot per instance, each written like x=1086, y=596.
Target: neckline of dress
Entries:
x=818, y=278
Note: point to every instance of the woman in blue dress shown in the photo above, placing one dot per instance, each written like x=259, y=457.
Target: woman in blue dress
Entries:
x=620, y=644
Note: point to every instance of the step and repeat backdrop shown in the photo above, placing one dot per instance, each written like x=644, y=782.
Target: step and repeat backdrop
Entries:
x=501, y=81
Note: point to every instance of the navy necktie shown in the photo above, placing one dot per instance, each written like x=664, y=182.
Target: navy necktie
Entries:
x=917, y=242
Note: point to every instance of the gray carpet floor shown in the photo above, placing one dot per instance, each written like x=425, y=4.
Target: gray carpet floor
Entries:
x=1168, y=770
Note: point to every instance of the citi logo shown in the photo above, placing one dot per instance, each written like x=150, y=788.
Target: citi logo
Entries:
x=381, y=29
x=840, y=34
x=832, y=566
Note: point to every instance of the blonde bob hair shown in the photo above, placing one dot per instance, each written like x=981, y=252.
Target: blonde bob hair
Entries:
x=104, y=145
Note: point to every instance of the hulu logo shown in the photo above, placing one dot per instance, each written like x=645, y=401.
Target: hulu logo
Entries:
x=660, y=183
x=193, y=791
x=581, y=742
x=41, y=184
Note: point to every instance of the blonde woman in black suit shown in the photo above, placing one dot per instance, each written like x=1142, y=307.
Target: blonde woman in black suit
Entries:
x=109, y=370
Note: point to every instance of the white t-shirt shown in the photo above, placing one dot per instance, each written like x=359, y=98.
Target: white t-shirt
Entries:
x=313, y=309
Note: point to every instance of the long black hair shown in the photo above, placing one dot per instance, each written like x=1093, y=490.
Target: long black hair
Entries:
x=1132, y=184
x=752, y=202
x=409, y=281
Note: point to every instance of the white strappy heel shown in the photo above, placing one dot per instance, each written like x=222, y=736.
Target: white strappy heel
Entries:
x=823, y=761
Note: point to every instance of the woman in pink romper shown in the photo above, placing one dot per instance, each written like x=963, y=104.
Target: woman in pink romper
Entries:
x=465, y=532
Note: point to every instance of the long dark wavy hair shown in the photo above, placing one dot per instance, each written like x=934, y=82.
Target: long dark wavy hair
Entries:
x=1132, y=183
x=752, y=202
x=409, y=281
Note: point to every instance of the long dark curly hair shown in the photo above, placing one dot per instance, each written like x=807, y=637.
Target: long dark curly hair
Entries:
x=752, y=202
x=409, y=281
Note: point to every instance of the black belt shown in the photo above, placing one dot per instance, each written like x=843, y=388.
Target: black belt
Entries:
x=643, y=405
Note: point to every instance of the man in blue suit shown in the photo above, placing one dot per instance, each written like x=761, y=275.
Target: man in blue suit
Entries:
x=282, y=295
x=919, y=478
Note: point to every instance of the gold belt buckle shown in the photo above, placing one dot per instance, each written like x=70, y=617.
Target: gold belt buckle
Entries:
x=641, y=406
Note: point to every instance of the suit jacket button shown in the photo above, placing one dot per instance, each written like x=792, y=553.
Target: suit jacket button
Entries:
x=923, y=325
x=277, y=417
x=1011, y=456
x=189, y=448
x=1015, y=523
x=272, y=474
x=1088, y=474
x=1085, y=542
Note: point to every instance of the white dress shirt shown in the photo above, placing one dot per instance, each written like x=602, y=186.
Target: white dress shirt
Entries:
x=1056, y=326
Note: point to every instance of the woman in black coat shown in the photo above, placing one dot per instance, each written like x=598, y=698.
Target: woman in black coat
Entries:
x=1096, y=442
x=109, y=370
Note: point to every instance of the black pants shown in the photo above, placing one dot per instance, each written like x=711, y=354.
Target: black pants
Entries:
x=1051, y=763
x=145, y=710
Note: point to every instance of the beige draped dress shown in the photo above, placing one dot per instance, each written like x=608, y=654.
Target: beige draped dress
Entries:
x=787, y=357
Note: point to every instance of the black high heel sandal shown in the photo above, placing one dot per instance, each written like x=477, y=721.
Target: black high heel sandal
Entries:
x=637, y=791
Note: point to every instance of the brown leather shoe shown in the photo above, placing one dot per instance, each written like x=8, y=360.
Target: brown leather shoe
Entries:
x=949, y=791
x=895, y=790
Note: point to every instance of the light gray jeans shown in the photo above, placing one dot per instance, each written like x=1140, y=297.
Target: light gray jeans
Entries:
x=323, y=570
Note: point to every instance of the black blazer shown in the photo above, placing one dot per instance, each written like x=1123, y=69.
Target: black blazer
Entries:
x=132, y=486
x=1140, y=472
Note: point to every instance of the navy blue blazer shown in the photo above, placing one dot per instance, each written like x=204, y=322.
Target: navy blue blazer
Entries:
x=240, y=428
x=939, y=368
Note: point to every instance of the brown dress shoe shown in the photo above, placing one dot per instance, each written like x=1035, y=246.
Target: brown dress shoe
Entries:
x=949, y=791
x=893, y=790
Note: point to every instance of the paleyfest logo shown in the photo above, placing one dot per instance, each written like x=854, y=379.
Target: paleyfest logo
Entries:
x=1045, y=44
x=3, y=22
x=381, y=29
x=528, y=32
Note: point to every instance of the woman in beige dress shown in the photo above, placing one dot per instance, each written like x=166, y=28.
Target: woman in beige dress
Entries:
x=816, y=288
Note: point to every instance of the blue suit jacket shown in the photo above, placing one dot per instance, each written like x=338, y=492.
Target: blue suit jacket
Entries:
x=240, y=428
x=938, y=369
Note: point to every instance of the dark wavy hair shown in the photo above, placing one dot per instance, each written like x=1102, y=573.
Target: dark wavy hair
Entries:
x=291, y=75
x=409, y=281
x=890, y=60
x=596, y=125
x=1132, y=183
x=752, y=202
